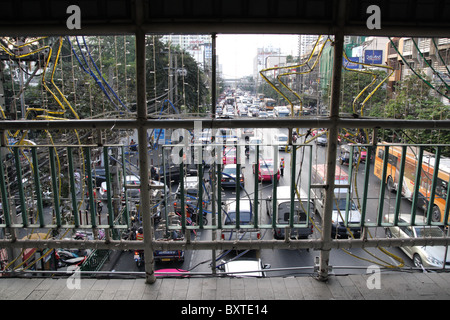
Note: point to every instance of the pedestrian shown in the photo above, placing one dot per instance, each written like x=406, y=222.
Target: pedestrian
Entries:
x=282, y=166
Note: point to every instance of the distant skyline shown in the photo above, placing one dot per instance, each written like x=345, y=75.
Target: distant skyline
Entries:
x=236, y=52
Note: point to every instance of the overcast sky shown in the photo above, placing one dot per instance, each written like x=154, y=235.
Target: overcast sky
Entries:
x=236, y=52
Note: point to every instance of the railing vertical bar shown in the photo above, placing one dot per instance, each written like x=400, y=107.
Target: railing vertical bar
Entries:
x=293, y=169
x=87, y=152
x=126, y=212
x=349, y=193
x=219, y=196
x=51, y=151
x=433, y=186
x=447, y=205
x=5, y=202
x=200, y=196
x=163, y=159
x=274, y=186
x=416, y=186
x=37, y=184
x=382, y=186
x=255, y=189
x=20, y=187
x=182, y=204
x=309, y=182
x=72, y=187
x=366, y=186
x=108, y=187
x=400, y=185
x=238, y=192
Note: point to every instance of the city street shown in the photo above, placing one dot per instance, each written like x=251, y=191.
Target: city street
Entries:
x=284, y=262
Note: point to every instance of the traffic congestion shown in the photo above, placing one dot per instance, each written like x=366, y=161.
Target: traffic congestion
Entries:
x=248, y=173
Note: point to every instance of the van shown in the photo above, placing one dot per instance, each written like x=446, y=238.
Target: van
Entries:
x=338, y=228
x=283, y=208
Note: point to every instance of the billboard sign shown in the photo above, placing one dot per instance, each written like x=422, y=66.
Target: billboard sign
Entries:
x=373, y=56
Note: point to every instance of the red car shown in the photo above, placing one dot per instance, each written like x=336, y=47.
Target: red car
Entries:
x=229, y=155
x=265, y=170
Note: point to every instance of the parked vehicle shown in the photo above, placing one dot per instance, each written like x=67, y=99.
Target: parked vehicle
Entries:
x=422, y=256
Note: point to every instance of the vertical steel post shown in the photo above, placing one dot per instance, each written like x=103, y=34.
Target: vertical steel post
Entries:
x=108, y=187
x=55, y=185
x=20, y=187
x=416, y=186
x=92, y=207
x=142, y=144
x=72, y=187
x=433, y=186
x=332, y=144
x=37, y=184
x=5, y=203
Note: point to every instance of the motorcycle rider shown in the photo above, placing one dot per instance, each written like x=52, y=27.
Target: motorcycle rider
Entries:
x=140, y=234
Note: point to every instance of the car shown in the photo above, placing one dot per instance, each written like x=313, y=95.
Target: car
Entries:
x=266, y=170
x=135, y=193
x=338, y=229
x=98, y=176
x=322, y=139
x=229, y=155
x=253, y=142
x=246, y=218
x=282, y=141
x=263, y=114
x=229, y=176
x=422, y=256
x=244, y=267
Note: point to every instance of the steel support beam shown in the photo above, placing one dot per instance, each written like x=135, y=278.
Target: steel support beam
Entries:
x=332, y=143
x=145, y=207
x=314, y=244
x=150, y=123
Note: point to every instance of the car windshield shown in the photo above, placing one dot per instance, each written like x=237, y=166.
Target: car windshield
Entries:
x=230, y=152
x=342, y=203
x=284, y=210
x=230, y=170
x=245, y=217
x=267, y=165
x=429, y=232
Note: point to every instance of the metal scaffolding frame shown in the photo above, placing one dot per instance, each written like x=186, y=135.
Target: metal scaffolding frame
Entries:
x=333, y=122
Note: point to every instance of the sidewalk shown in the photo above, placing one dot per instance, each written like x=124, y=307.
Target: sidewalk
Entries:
x=393, y=286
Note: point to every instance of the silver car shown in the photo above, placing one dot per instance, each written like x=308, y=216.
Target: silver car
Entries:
x=422, y=256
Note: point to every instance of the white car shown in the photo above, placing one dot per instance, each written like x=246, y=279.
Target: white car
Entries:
x=245, y=268
x=422, y=256
x=135, y=193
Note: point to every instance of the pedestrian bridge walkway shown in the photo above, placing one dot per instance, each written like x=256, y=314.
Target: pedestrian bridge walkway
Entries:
x=393, y=285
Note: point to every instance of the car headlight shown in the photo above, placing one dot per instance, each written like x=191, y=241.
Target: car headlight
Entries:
x=434, y=261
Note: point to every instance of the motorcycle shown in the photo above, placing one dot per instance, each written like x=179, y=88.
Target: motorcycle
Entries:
x=66, y=258
x=139, y=258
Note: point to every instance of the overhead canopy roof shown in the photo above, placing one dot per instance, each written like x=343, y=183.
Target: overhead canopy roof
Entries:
x=398, y=17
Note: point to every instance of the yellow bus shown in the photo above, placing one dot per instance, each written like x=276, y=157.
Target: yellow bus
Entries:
x=409, y=176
